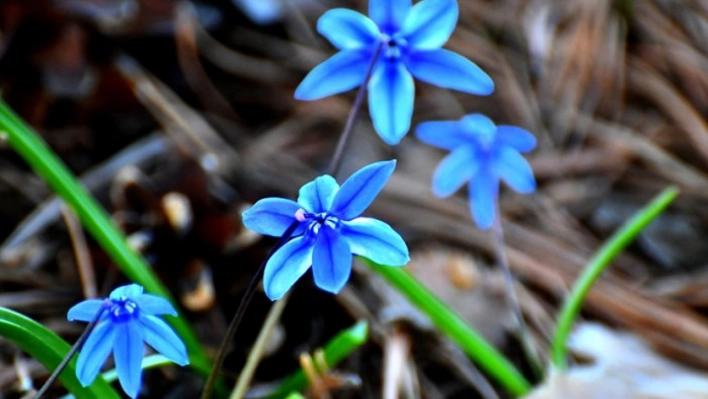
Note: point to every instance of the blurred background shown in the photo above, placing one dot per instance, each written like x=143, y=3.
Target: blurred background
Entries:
x=179, y=115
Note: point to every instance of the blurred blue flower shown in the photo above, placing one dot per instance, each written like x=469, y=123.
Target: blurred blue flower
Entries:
x=329, y=230
x=411, y=39
x=481, y=153
x=262, y=12
x=128, y=322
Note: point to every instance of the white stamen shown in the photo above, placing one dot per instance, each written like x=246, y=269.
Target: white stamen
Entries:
x=300, y=215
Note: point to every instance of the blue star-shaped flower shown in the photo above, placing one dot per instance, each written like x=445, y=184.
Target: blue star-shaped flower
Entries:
x=329, y=230
x=128, y=322
x=481, y=153
x=411, y=39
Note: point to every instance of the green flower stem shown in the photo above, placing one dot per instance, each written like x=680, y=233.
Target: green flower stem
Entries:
x=479, y=350
x=335, y=351
x=622, y=237
x=152, y=361
x=149, y=362
x=254, y=356
x=36, y=153
x=49, y=349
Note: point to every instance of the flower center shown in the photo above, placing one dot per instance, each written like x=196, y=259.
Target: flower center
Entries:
x=123, y=309
x=315, y=220
x=486, y=141
x=484, y=137
x=393, y=46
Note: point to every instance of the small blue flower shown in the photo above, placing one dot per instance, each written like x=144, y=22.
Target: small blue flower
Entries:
x=329, y=230
x=128, y=322
x=481, y=153
x=412, y=37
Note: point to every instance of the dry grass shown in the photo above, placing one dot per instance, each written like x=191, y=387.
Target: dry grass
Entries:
x=616, y=91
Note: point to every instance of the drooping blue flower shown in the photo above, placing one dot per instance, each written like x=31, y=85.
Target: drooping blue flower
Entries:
x=129, y=321
x=411, y=39
x=481, y=153
x=329, y=231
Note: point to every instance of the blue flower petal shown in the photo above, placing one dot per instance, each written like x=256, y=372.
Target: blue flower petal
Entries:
x=430, y=23
x=341, y=72
x=128, y=352
x=515, y=137
x=479, y=128
x=317, y=195
x=85, y=310
x=163, y=339
x=391, y=95
x=483, y=198
x=449, y=70
x=361, y=188
x=287, y=265
x=331, y=260
x=270, y=216
x=126, y=291
x=154, y=305
x=95, y=352
x=375, y=240
x=442, y=134
x=514, y=170
x=389, y=14
x=455, y=170
x=348, y=29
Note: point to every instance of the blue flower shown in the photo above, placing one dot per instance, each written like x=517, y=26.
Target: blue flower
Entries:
x=329, y=230
x=411, y=39
x=128, y=322
x=481, y=153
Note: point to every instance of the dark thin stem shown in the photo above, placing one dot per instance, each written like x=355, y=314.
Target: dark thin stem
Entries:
x=242, y=306
x=500, y=250
x=336, y=162
x=334, y=167
x=64, y=362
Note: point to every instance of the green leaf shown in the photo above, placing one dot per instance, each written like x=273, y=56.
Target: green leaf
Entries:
x=612, y=247
x=336, y=350
x=96, y=221
x=49, y=349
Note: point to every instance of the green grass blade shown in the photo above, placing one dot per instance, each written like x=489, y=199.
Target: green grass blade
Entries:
x=473, y=344
x=49, y=349
x=95, y=220
x=336, y=350
x=622, y=237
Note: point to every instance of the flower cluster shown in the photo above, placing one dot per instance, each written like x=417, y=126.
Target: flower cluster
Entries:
x=329, y=230
x=126, y=323
x=384, y=51
x=324, y=228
